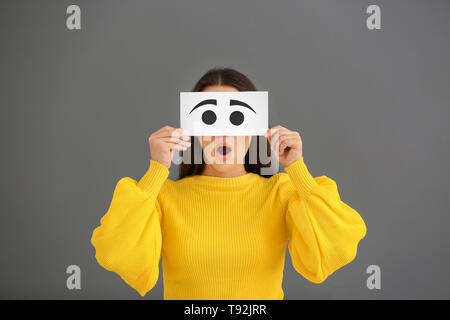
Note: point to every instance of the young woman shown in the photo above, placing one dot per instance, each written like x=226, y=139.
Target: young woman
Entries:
x=222, y=228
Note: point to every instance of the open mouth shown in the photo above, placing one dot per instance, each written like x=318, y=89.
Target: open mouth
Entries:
x=223, y=150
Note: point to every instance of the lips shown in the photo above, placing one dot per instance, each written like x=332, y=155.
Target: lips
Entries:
x=223, y=150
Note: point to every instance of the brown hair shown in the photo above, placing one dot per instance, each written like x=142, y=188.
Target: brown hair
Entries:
x=229, y=77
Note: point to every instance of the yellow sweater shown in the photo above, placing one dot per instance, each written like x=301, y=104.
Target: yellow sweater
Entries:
x=225, y=238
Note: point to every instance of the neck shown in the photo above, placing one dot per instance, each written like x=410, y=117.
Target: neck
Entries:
x=234, y=171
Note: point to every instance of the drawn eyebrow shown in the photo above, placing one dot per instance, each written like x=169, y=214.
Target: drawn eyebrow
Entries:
x=240, y=103
x=208, y=101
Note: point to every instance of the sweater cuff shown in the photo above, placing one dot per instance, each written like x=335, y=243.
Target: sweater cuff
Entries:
x=301, y=178
x=154, y=178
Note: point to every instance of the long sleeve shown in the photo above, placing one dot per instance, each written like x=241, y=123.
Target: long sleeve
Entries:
x=128, y=240
x=323, y=231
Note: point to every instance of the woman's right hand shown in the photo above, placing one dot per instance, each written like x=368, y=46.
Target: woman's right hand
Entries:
x=164, y=141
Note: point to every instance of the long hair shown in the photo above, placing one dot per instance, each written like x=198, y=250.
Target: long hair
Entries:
x=228, y=77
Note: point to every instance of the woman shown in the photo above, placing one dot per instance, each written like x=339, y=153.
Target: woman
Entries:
x=222, y=228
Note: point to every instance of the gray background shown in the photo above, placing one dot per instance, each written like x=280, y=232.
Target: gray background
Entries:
x=77, y=108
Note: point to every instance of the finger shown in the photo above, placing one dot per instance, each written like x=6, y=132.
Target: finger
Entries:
x=287, y=143
x=166, y=129
x=172, y=132
x=288, y=135
x=267, y=135
x=274, y=142
x=292, y=136
x=175, y=146
x=176, y=140
x=180, y=133
x=162, y=131
x=280, y=129
x=277, y=127
x=270, y=133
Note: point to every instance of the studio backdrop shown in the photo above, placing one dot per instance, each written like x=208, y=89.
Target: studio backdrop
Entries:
x=79, y=99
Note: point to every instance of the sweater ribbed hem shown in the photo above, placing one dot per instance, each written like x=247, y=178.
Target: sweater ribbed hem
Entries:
x=154, y=178
x=301, y=178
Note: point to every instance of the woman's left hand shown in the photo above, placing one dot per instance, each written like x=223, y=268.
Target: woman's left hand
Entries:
x=286, y=144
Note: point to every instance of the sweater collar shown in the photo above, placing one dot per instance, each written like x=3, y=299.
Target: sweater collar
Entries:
x=242, y=180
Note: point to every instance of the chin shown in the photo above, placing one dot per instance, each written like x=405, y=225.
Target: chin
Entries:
x=224, y=167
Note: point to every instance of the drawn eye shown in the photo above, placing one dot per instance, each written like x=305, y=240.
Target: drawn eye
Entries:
x=236, y=118
x=209, y=117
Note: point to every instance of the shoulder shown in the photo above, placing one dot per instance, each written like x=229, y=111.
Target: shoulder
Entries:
x=173, y=187
x=279, y=180
x=278, y=185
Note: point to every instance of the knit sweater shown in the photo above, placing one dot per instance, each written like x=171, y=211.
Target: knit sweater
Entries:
x=225, y=238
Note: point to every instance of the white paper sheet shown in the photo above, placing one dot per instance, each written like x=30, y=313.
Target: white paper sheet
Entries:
x=243, y=113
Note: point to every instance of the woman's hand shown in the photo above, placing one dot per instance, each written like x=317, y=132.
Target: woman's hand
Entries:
x=164, y=141
x=286, y=144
